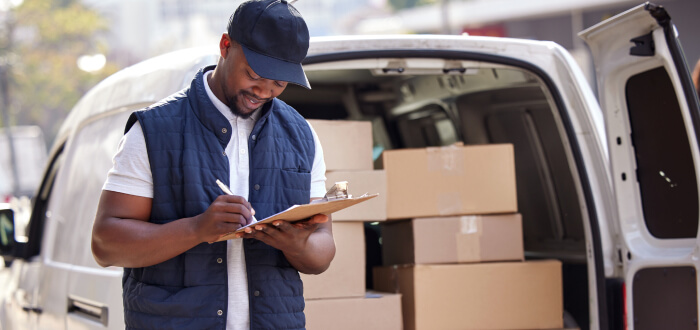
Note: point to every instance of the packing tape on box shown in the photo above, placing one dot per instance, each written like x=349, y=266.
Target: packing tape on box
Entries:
x=449, y=203
x=448, y=160
x=469, y=224
x=395, y=278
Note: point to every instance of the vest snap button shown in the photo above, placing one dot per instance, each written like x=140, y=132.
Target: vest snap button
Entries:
x=256, y=293
x=223, y=152
x=224, y=130
x=256, y=187
x=253, y=137
x=219, y=260
x=219, y=312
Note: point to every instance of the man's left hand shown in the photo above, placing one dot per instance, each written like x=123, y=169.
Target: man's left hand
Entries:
x=280, y=231
x=305, y=243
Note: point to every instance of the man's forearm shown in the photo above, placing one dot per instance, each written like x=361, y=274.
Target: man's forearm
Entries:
x=317, y=255
x=135, y=243
x=122, y=235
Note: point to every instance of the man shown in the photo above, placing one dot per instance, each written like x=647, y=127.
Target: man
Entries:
x=161, y=211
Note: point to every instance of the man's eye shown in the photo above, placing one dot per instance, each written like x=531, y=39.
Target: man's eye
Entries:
x=280, y=84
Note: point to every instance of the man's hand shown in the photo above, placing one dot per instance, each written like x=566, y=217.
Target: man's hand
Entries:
x=226, y=214
x=285, y=235
x=307, y=244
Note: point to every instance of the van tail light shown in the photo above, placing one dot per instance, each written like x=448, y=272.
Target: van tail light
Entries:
x=624, y=306
x=617, y=303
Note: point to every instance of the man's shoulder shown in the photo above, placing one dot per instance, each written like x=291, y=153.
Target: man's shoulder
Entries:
x=287, y=111
x=166, y=107
x=174, y=100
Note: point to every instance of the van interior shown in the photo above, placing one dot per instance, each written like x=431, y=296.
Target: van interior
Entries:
x=415, y=103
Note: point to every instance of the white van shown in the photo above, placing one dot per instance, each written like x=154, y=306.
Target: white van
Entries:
x=607, y=184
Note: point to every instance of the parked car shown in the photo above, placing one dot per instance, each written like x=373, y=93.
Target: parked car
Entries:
x=606, y=184
x=21, y=165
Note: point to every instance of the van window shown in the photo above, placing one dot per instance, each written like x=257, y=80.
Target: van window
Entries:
x=37, y=220
x=665, y=167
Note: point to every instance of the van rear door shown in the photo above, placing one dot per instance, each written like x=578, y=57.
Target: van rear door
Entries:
x=652, y=119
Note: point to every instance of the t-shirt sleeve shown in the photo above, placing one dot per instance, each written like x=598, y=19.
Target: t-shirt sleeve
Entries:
x=318, y=169
x=131, y=170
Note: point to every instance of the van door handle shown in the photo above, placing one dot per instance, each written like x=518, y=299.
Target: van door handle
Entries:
x=28, y=309
x=88, y=309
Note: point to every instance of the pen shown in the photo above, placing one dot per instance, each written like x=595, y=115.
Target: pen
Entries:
x=227, y=191
x=223, y=187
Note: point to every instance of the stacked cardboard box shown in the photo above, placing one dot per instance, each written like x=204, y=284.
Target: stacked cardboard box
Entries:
x=345, y=278
x=338, y=298
x=347, y=150
x=454, y=180
x=455, y=249
x=456, y=239
x=376, y=310
x=498, y=295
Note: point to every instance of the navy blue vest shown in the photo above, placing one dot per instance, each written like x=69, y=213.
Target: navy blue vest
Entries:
x=186, y=137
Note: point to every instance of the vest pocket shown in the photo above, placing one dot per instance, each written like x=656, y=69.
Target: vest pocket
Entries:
x=297, y=179
x=298, y=169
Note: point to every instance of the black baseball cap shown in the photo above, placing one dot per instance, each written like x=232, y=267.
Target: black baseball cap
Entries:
x=274, y=38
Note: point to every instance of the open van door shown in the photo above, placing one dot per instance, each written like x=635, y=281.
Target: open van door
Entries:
x=652, y=120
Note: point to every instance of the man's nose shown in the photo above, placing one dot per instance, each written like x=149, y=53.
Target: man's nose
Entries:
x=264, y=89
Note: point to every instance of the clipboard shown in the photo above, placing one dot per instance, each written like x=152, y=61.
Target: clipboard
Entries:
x=335, y=200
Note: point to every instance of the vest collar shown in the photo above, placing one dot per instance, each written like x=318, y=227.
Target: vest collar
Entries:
x=205, y=111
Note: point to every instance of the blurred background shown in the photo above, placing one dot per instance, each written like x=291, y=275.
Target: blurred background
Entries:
x=52, y=52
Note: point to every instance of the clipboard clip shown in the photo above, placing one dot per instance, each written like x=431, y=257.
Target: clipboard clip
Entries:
x=338, y=191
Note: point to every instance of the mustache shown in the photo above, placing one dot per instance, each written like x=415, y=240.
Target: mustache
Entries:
x=253, y=96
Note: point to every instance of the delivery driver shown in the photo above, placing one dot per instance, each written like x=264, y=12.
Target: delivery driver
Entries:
x=161, y=207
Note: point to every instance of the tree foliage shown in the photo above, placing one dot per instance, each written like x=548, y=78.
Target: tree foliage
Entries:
x=405, y=4
x=46, y=37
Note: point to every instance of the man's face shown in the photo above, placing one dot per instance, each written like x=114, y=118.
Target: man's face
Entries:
x=245, y=91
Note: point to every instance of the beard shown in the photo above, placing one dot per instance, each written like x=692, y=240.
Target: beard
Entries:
x=233, y=104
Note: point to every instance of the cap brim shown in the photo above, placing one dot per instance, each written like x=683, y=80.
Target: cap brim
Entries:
x=275, y=69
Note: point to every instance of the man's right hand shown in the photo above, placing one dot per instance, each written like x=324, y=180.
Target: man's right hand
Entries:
x=226, y=214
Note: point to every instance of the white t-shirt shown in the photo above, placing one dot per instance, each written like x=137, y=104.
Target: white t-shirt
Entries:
x=131, y=174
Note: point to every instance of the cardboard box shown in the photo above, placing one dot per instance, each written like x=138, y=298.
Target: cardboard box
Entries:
x=468, y=238
x=346, y=275
x=504, y=295
x=361, y=182
x=454, y=180
x=381, y=311
x=347, y=145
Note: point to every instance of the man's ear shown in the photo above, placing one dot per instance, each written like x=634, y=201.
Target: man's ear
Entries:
x=224, y=45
